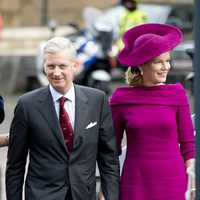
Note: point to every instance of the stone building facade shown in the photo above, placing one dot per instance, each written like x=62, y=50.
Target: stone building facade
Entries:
x=17, y=13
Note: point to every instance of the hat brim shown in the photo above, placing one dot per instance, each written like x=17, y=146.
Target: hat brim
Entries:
x=147, y=41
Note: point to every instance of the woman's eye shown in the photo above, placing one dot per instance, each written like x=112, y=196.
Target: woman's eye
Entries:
x=156, y=62
x=169, y=60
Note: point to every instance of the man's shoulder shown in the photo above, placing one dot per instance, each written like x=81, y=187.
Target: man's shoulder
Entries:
x=89, y=90
x=90, y=94
x=34, y=93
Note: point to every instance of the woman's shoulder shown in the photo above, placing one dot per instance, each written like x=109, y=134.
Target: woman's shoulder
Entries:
x=161, y=94
x=142, y=90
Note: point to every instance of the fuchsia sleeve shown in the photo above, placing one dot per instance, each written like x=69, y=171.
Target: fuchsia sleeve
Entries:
x=186, y=133
x=118, y=126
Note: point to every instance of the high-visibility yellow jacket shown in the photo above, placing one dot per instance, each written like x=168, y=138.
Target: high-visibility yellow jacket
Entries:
x=130, y=19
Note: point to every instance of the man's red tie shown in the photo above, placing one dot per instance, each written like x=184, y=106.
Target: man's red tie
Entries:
x=66, y=125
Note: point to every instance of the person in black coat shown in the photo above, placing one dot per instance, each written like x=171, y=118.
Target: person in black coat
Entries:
x=2, y=113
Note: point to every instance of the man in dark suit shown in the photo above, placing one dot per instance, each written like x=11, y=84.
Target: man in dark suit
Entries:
x=56, y=171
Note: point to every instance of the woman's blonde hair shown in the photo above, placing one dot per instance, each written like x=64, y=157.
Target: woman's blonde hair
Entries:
x=133, y=77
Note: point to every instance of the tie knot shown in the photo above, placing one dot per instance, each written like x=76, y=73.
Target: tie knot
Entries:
x=62, y=100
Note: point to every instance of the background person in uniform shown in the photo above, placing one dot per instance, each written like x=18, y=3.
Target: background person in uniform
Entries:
x=130, y=17
x=156, y=117
x=56, y=170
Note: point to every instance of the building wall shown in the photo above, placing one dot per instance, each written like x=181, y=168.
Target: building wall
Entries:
x=10, y=12
x=33, y=13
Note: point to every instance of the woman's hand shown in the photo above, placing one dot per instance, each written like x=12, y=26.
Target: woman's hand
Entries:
x=191, y=188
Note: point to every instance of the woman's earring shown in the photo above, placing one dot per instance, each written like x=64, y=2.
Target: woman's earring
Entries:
x=140, y=68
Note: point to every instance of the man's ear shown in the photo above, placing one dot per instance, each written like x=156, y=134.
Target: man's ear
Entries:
x=77, y=64
x=44, y=71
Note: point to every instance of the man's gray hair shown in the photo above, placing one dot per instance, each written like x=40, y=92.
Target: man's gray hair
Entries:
x=57, y=44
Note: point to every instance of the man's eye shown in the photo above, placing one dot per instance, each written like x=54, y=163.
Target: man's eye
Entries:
x=51, y=66
x=63, y=66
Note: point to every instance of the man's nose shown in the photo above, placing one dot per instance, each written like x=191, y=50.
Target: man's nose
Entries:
x=56, y=71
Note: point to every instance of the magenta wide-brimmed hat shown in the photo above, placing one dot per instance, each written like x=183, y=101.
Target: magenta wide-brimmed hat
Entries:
x=147, y=41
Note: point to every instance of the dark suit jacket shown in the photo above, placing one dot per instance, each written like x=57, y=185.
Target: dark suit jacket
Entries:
x=35, y=131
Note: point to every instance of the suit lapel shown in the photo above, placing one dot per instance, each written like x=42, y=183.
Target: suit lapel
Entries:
x=45, y=101
x=80, y=110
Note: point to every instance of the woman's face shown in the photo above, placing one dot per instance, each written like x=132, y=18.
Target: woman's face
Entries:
x=155, y=71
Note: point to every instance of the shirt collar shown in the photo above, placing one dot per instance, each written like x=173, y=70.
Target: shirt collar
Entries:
x=70, y=95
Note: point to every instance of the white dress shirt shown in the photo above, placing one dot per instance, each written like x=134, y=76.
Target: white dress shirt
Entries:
x=69, y=103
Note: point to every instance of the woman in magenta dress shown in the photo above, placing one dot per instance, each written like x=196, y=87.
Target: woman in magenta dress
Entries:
x=154, y=115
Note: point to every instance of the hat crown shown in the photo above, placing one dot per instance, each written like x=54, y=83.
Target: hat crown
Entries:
x=141, y=40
